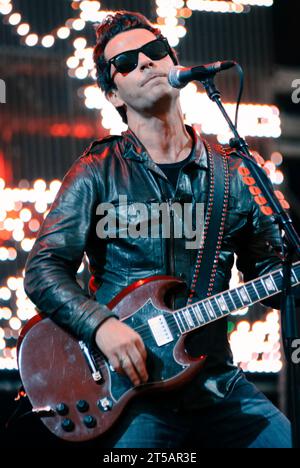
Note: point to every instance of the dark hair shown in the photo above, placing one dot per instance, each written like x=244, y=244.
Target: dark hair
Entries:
x=112, y=25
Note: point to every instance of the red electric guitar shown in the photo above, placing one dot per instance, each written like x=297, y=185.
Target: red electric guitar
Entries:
x=72, y=387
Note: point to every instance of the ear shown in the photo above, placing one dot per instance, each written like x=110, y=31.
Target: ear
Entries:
x=114, y=98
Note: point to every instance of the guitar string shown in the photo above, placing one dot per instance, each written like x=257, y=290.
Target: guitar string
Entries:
x=146, y=331
x=139, y=328
x=175, y=327
x=145, y=326
x=180, y=311
x=103, y=361
x=144, y=335
x=172, y=327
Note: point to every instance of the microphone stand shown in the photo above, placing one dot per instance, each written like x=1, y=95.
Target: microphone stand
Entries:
x=288, y=309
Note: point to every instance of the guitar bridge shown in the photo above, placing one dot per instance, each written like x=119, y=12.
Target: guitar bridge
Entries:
x=160, y=330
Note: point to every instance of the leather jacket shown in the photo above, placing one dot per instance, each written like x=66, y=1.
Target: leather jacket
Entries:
x=120, y=165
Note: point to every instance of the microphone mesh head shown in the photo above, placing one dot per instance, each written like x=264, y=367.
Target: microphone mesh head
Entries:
x=173, y=77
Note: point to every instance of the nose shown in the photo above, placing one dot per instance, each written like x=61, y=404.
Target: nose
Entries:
x=144, y=61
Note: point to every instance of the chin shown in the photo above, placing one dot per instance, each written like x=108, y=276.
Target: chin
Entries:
x=159, y=99
x=165, y=97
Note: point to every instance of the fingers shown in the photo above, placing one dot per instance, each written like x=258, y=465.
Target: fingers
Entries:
x=141, y=347
x=127, y=365
x=124, y=349
x=115, y=364
x=132, y=363
x=138, y=362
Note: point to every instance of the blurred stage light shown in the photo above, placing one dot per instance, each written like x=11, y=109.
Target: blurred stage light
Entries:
x=277, y=158
x=23, y=29
x=31, y=40
x=15, y=323
x=63, y=32
x=54, y=186
x=5, y=294
x=12, y=283
x=39, y=185
x=25, y=215
x=78, y=24
x=72, y=62
x=48, y=41
x=254, y=119
x=12, y=253
x=81, y=73
x=256, y=347
x=27, y=244
x=14, y=19
x=168, y=11
x=80, y=43
x=5, y=8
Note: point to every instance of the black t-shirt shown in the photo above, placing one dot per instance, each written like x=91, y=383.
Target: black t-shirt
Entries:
x=172, y=169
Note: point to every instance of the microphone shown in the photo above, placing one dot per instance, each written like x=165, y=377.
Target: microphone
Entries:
x=180, y=76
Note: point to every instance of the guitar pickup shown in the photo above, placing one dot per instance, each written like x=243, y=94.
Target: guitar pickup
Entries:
x=160, y=330
x=96, y=374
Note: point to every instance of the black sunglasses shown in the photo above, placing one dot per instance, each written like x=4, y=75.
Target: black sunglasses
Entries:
x=126, y=62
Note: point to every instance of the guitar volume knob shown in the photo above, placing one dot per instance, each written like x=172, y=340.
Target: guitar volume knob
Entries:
x=67, y=425
x=82, y=406
x=62, y=409
x=89, y=421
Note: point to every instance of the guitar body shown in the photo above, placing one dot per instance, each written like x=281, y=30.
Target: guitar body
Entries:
x=58, y=378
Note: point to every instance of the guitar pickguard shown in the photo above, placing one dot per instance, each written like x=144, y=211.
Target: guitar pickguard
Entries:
x=161, y=364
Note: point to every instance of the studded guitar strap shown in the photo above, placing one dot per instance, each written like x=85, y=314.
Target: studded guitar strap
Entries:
x=208, y=254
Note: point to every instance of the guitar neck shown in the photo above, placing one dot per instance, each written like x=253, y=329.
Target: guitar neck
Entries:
x=220, y=305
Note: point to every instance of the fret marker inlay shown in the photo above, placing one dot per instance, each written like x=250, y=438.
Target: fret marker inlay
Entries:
x=244, y=295
x=222, y=303
x=269, y=284
x=210, y=309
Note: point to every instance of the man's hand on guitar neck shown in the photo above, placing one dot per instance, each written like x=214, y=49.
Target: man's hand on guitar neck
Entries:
x=124, y=349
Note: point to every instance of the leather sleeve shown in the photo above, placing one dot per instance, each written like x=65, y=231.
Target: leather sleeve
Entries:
x=50, y=271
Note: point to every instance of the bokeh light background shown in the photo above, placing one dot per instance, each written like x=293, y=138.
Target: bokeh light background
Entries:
x=54, y=109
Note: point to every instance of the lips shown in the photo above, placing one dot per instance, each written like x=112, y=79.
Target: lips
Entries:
x=152, y=77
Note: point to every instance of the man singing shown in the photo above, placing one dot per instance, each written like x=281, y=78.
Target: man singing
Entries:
x=158, y=159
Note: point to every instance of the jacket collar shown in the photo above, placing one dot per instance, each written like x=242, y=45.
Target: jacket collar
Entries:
x=135, y=150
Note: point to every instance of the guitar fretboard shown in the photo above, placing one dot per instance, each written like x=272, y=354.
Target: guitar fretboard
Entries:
x=222, y=304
